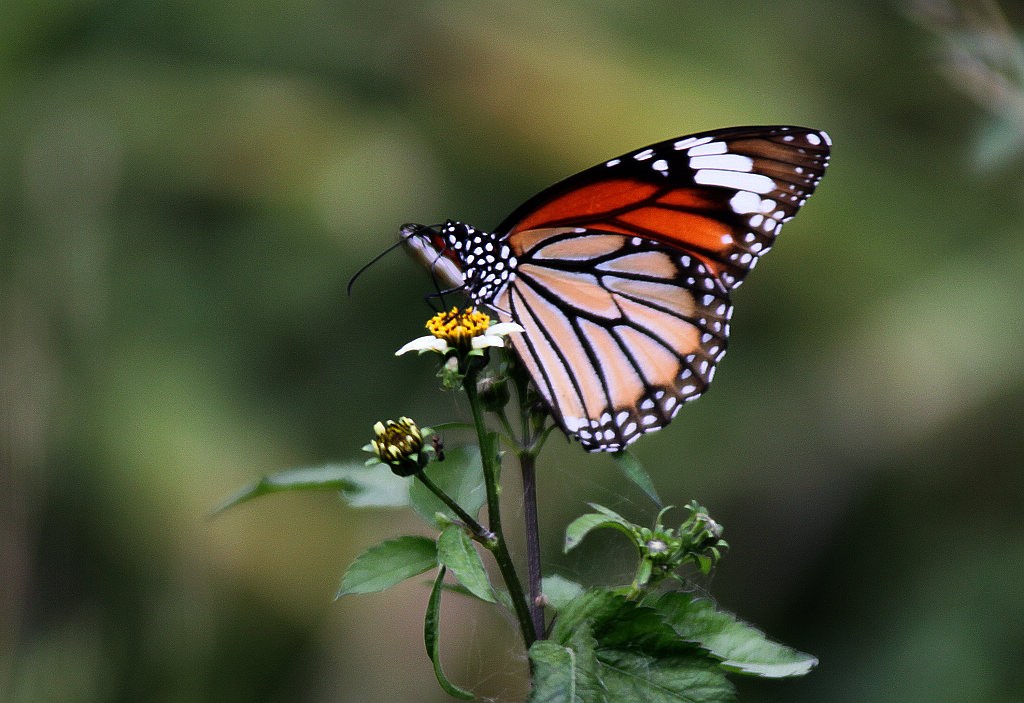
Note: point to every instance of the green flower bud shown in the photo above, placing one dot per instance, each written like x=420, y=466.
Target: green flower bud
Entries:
x=494, y=393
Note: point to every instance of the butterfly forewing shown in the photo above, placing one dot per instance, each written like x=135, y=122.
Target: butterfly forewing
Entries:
x=721, y=195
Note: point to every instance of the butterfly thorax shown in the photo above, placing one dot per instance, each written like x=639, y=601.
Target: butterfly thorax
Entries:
x=487, y=262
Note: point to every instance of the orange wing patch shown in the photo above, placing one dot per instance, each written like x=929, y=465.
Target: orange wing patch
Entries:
x=589, y=202
x=678, y=227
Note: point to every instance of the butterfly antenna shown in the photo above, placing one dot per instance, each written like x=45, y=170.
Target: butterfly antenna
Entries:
x=371, y=263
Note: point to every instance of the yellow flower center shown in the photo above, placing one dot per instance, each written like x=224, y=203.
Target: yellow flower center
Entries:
x=458, y=327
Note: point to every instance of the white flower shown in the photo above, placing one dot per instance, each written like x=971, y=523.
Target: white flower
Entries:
x=453, y=330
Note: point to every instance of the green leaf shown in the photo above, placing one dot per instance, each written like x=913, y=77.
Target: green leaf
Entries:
x=389, y=563
x=377, y=488
x=501, y=596
x=581, y=526
x=566, y=673
x=461, y=476
x=596, y=604
x=450, y=426
x=629, y=675
x=362, y=486
x=741, y=647
x=455, y=551
x=637, y=655
x=609, y=512
x=635, y=472
x=432, y=639
x=560, y=591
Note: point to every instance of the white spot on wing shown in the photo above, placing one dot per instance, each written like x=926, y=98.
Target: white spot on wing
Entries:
x=744, y=201
x=726, y=162
x=707, y=149
x=573, y=423
x=690, y=142
x=753, y=182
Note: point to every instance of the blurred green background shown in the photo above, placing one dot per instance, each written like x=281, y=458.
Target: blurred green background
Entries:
x=187, y=186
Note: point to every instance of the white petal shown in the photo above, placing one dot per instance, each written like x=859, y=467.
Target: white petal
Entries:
x=488, y=340
x=429, y=343
x=503, y=328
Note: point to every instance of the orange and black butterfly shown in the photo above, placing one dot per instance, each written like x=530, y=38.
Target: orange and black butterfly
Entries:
x=621, y=275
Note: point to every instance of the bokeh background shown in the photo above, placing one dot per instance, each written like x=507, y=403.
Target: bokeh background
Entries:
x=186, y=188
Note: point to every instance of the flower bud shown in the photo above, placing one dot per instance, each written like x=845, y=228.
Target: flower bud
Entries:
x=494, y=393
x=399, y=444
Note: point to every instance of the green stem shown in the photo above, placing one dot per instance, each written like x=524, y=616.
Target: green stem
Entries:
x=499, y=548
x=505, y=423
x=480, y=533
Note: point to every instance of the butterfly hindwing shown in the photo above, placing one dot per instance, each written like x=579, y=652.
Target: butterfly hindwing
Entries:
x=620, y=331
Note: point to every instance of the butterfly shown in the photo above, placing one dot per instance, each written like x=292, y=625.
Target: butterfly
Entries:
x=622, y=275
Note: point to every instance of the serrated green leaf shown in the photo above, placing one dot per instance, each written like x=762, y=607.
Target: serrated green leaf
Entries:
x=629, y=675
x=559, y=591
x=616, y=622
x=741, y=647
x=388, y=563
x=431, y=638
x=581, y=526
x=460, y=475
x=455, y=551
x=566, y=673
x=635, y=472
x=637, y=655
x=595, y=605
x=360, y=485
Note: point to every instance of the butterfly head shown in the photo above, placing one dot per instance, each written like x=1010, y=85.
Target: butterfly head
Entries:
x=464, y=257
x=433, y=251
